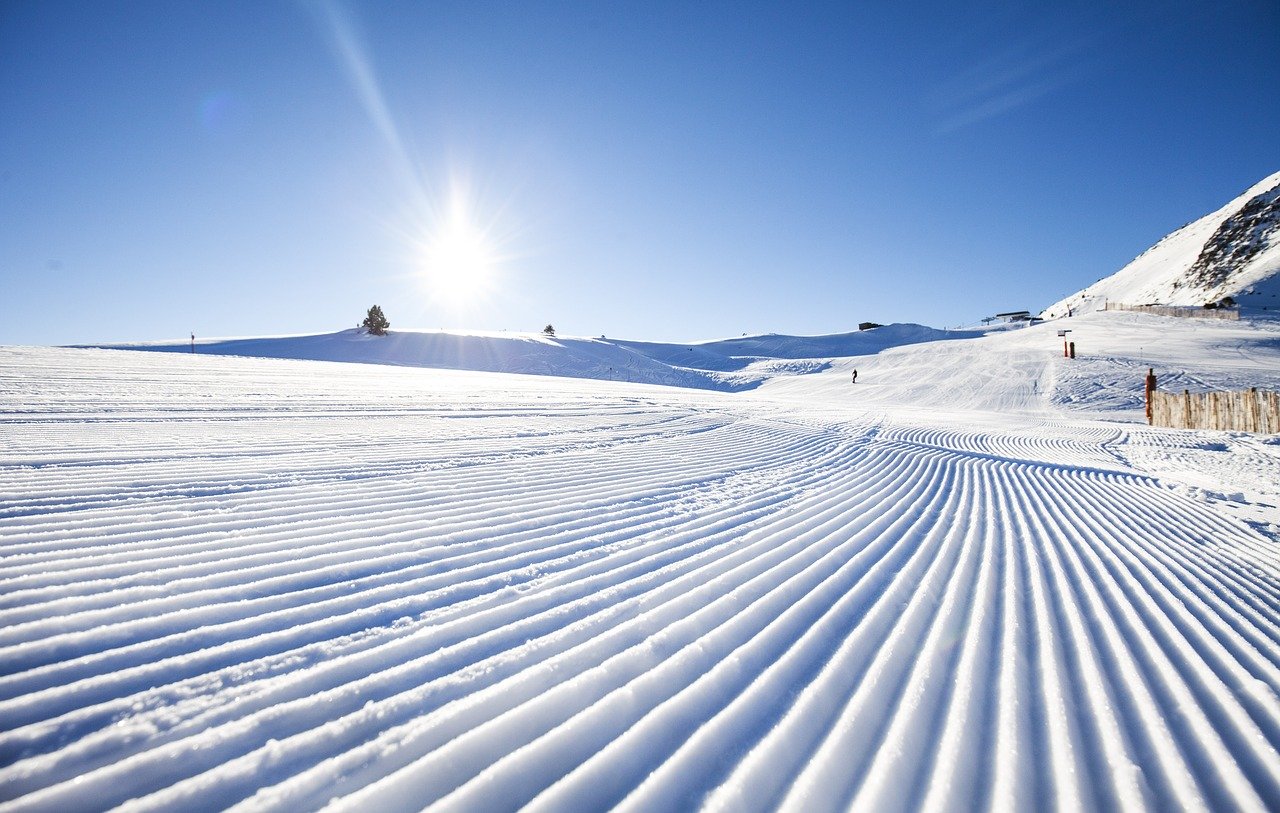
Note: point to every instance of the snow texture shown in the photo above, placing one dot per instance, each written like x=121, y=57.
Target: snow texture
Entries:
x=973, y=579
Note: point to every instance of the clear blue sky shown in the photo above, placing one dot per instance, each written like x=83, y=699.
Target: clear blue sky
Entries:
x=643, y=170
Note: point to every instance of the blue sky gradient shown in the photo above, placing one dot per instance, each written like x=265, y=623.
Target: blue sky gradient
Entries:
x=642, y=170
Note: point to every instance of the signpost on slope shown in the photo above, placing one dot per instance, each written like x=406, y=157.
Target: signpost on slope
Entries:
x=1151, y=389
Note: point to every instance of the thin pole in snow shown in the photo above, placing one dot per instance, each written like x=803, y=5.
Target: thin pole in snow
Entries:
x=1151, y=390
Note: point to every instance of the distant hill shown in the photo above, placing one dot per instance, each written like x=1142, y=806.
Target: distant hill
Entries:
x=1234, y=252
x=726, y=364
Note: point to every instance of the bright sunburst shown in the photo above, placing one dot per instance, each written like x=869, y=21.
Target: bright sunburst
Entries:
x=459, y=261
x=459, y=252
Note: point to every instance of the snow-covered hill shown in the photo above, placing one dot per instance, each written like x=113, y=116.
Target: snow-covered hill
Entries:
x=972, y=580
x=1234, y=252
x=727, y=364
x=479, y=571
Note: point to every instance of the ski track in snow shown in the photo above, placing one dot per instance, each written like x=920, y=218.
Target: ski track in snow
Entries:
x=291, y=585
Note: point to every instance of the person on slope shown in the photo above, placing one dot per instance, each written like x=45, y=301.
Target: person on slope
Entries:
x=855, y=377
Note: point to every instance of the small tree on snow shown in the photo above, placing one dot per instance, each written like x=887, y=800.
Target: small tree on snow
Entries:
x=549, y=330
x=375, y=322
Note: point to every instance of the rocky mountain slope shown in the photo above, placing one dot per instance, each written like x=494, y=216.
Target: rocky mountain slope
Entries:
x=1233, y=252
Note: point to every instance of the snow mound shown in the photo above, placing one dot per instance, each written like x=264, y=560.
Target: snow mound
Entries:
x=1234, y=252
x=726, y=365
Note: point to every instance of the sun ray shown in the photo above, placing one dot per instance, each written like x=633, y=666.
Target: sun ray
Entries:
x=459, y=253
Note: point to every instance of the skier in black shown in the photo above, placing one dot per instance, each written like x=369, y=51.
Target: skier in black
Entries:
x=855, y=377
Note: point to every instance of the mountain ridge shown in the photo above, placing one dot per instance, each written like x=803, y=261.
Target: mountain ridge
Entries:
x=1233, y=251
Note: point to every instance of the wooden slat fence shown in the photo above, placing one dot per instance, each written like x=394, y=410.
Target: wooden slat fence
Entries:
x=1230, y=314
x=1244, y=411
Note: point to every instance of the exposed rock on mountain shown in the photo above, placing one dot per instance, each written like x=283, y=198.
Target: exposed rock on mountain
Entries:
x=1233, y=252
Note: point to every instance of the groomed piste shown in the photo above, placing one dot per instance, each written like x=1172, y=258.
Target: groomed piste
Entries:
x=972, y=580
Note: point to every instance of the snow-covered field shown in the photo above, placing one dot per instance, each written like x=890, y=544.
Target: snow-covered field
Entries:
x=973, y=579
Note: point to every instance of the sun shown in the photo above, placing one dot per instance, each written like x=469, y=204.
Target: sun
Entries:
x=461, y=249
x=458, y=261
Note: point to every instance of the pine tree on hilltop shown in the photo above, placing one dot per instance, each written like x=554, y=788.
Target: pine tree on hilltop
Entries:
x=375, y=322
x=549, y=330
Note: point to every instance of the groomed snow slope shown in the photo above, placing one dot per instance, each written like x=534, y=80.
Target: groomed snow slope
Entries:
x=290, y=584
x=726, y=364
